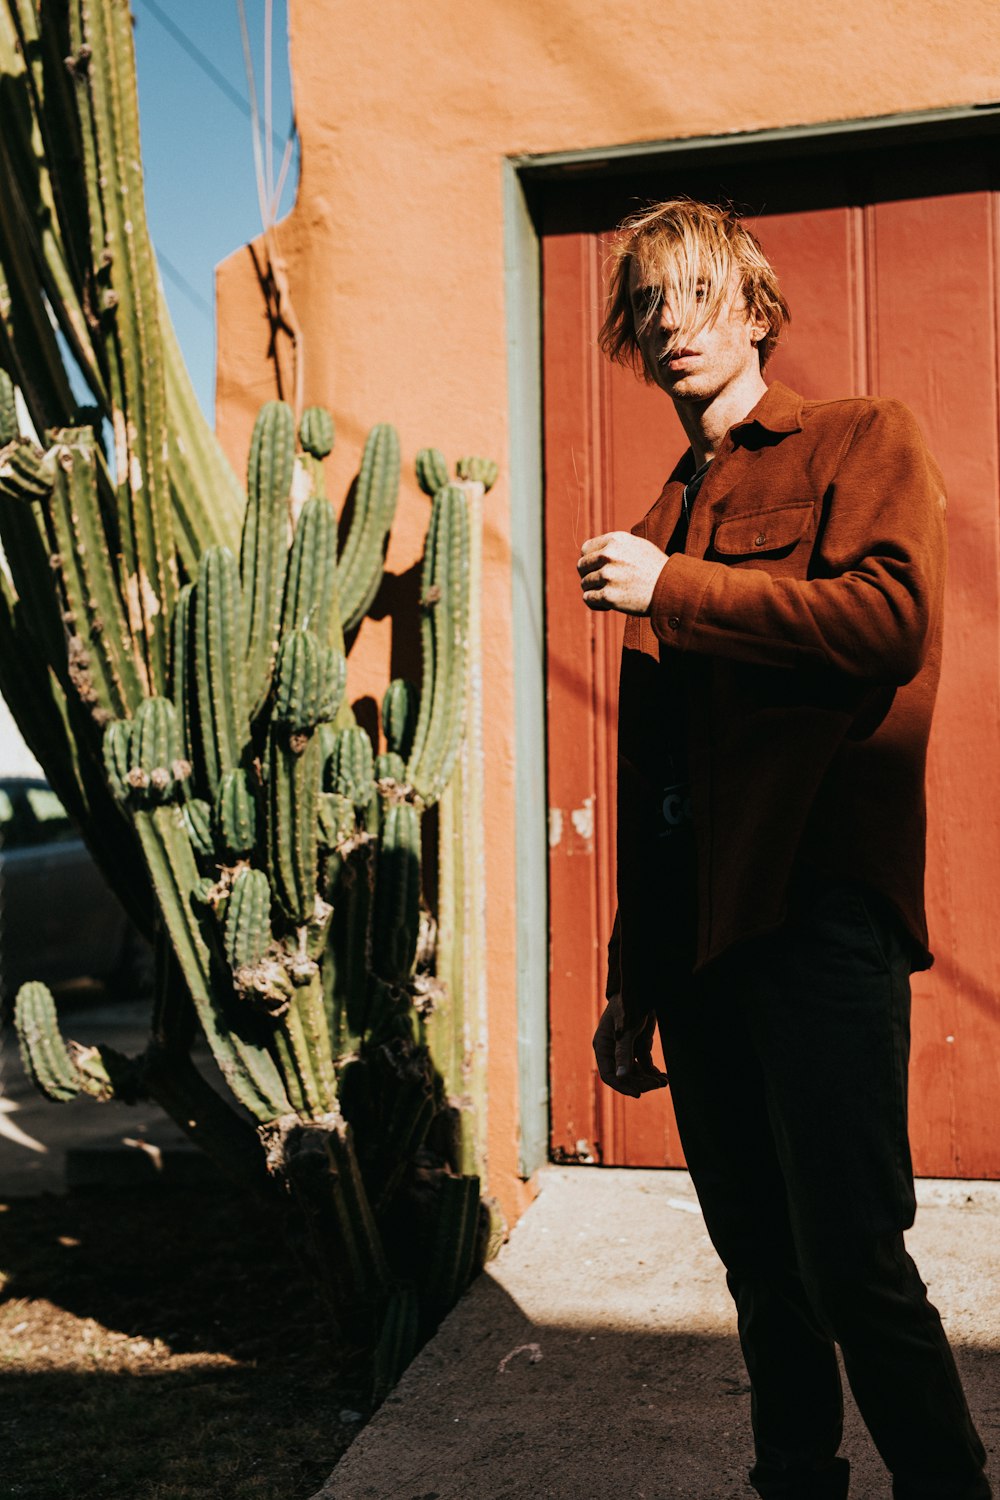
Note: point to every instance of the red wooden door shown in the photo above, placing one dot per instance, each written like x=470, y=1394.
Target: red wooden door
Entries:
x=893, y=295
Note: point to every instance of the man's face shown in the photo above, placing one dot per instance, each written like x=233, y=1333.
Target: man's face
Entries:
x=696, y=366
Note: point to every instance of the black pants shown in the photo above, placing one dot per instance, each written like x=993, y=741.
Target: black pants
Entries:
x=788, y=1065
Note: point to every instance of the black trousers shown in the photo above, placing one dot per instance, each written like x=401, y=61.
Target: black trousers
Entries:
x=788, y=1068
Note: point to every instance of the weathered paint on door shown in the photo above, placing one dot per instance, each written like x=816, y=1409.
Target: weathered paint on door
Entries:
x=893, y=295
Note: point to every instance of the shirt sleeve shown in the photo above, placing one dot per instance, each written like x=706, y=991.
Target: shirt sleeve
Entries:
x=879, y=571
x=614, y=983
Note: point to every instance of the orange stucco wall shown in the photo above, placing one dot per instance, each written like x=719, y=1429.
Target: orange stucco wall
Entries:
x=395, y=250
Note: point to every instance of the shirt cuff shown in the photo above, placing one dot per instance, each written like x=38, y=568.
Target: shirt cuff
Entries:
x=677, y=596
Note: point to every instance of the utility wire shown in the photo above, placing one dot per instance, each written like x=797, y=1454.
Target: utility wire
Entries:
x=181, y=282
x=204, y=62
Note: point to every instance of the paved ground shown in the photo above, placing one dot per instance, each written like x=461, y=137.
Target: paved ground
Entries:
x=46, y=1147
x=597, y=1358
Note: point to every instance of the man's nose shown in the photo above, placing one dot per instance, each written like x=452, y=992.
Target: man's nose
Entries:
x=668, y=321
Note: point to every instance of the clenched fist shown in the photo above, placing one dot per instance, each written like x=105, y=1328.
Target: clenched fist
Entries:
x=619, y=571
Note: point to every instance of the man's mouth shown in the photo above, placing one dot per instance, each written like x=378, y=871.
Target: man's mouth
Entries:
x=670, y=356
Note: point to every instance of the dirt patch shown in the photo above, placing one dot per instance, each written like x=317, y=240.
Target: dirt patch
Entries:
x=158, y=1344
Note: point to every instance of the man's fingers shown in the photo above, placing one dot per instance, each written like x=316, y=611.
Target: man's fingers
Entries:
x=623, y=1059
x=594, y=543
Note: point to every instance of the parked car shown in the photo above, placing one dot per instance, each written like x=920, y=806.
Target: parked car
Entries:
x=59, y=920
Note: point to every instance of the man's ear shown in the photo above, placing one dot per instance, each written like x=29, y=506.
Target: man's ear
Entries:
x=758, y=329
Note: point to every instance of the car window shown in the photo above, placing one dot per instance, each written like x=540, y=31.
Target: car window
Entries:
x=53, y=825
x=32, y=815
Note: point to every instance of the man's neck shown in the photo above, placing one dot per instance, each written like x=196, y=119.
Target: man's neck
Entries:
x=707, y=422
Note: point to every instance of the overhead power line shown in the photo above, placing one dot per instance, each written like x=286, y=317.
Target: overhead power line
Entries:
x=181, y=282
x=204, y=62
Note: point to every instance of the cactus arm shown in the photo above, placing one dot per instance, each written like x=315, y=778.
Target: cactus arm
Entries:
x=293, y=823
x=310, y=601
x=235, y=816
x=451, y=631
x=309, y=1040
x=397, y=892
x=482, y=471
x=444, y=630
x=140, y=424
x=399, y=1341
x=432, y=471
x=427, y=647
x=28, y=554
x=44, y=382
x=242, y=1058
x=457, y=1027
x=222, y=715
x=102, y=664
x=182, y=688
x=351, y=769
x=43, y=1051
x=58, y=151
x=341, y=1214
x=316, y=432
x=263, y=553
x=400, y=707
x=359, y=571
x=453, y=1250
x=32, y=202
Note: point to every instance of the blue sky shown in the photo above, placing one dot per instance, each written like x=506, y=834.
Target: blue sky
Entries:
x=201, y=191
x=197, y=147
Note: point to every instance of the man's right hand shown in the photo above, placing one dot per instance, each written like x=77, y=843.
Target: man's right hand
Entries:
x=624, y=1054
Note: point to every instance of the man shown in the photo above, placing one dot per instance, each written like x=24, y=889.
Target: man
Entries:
x=778, y=675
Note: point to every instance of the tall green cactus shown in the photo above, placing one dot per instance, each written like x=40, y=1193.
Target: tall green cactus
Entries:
x=193, y=711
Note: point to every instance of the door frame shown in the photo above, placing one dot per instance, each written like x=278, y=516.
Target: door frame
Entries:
x=525, y=178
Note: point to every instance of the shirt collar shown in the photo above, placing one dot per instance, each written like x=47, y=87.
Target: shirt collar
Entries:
x=779, y=410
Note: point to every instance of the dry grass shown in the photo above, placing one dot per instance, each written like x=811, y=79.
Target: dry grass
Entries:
x=156, y=1345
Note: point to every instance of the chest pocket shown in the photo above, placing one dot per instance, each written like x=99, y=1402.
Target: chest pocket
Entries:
x=774, y=536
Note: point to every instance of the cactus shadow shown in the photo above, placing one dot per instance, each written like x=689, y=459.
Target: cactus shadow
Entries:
x=366, y=711
x=196, y=1363
x=398, y=600
x=196, y=1267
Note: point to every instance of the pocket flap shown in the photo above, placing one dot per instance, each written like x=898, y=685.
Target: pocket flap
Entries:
x=765, y=531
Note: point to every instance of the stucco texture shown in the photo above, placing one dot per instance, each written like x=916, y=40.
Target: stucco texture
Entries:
x=395, y=252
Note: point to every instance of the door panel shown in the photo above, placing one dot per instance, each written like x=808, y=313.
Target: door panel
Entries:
x=890, y=295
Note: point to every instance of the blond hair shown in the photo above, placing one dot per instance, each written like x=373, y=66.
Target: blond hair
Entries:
x=688, y=251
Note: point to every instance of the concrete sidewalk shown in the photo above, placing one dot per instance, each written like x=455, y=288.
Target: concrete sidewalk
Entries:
x=597, y=1358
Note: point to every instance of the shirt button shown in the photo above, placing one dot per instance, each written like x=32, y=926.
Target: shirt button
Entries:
x=674, y=622
x=759, y=539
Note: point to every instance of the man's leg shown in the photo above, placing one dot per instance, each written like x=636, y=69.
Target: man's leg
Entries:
x=826, y=1004
x=719, y=1100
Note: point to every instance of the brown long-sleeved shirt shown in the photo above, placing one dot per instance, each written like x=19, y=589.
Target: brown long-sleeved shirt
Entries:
x=806, y=608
